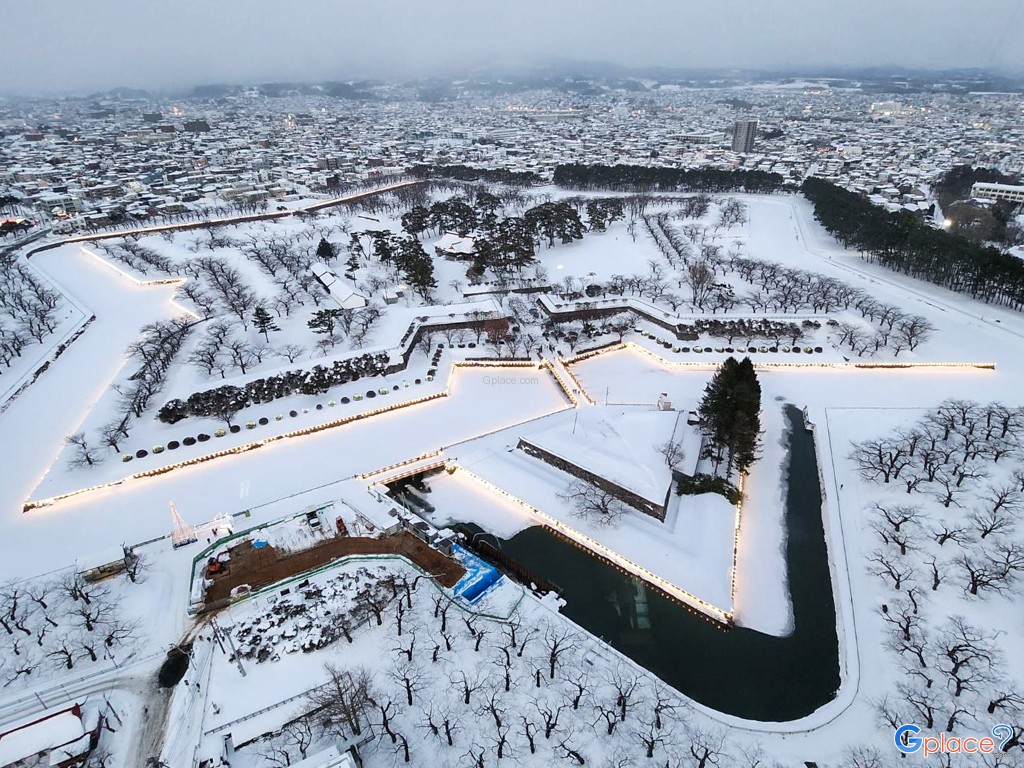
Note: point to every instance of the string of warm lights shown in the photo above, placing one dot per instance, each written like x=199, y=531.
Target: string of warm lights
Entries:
x=144, y=283
x=244, y=219
x=36, y=504
x=442, y=464
x=30, y=505
x=763, y=365
x=736, y=539
x=629, y=566
x=593, y=353
x=562, y=384
x=398, y=465
x=578, y=386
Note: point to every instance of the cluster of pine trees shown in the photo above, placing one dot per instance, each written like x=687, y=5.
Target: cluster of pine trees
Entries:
x=226, y=400
x=904, y=243
x=638, y=178
x=466, y=173
x=730, y=414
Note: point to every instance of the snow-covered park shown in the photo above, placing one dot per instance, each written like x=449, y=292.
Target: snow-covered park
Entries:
x=221, y=374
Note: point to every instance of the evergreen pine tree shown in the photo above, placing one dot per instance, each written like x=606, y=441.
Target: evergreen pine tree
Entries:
x=324, y=251
x=730, y=412
x=264, y=322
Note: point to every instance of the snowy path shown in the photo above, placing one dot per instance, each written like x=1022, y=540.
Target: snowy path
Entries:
x=60, y=400
x=137, y=510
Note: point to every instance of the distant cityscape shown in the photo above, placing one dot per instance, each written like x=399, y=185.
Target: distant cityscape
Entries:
x=80, y=163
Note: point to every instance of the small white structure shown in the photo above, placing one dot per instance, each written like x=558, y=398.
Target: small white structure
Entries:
x=182, y=533
x=985, y=190
x=332, y=757
x=664, y=404
x=453, y=246
x=343, y=294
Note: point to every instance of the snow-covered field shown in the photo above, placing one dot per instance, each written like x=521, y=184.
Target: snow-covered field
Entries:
x=477, y=425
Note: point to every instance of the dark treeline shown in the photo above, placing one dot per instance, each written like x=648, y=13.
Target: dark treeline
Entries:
x=465, y=173
x=637, y=178
x=730, y=414
x=904, y=243
x=223, y=402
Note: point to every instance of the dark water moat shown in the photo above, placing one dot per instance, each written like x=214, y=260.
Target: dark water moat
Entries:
x=737, y=671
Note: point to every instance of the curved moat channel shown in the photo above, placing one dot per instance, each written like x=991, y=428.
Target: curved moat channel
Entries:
x=737, y=671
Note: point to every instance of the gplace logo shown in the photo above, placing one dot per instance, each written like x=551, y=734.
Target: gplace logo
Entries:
x=908, y=742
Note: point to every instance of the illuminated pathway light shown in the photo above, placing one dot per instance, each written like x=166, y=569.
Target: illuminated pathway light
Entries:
x=37, y=503
x=763, y=365
x=716, y=613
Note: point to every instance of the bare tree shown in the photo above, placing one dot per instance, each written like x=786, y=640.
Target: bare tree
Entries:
x=565, y=748
x=114, y=433
x=994, y=570
x=82, y=454
x=966, y=655
x=578, y=685
x=672, y=451
x=74, y=586
x=466, y=684
x=608, y=714
x=299, y=735
x=341, y=705
x=558, y=641
x=63, y=651
x=592, y=503
x=886, y=567
x=411, y=677
x=385, y=707
x=911, y=331
x=882, y=458
x=626, y=686
x=649, y=736
x=706, y=747
x=94, y=612
x=993, y=520
x=274, y=753
x=440, y=720
x=291, y=352
x=1005, y=699
x=135, y=566
x=862, y=757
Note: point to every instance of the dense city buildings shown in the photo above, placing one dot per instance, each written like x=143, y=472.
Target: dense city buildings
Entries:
x=512, y=421
x=80, y=163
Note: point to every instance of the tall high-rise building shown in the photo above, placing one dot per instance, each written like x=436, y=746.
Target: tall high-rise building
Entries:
x=743, y=134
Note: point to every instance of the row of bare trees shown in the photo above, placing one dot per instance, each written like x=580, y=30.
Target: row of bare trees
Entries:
x=28, y=310
x=702, y=266
x=457, y=688
x=959, y=542
x=153, y=353
x=55, y=623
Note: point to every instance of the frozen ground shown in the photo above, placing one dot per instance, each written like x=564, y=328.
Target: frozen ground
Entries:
x=280, y=478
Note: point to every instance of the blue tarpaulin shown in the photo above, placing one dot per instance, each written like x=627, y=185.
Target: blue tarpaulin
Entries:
x=479, y=578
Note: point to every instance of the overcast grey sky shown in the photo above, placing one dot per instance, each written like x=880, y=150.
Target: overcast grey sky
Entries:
x=65, y=45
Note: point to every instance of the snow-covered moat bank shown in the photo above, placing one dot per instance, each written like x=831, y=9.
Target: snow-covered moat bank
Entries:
x=738, y=671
